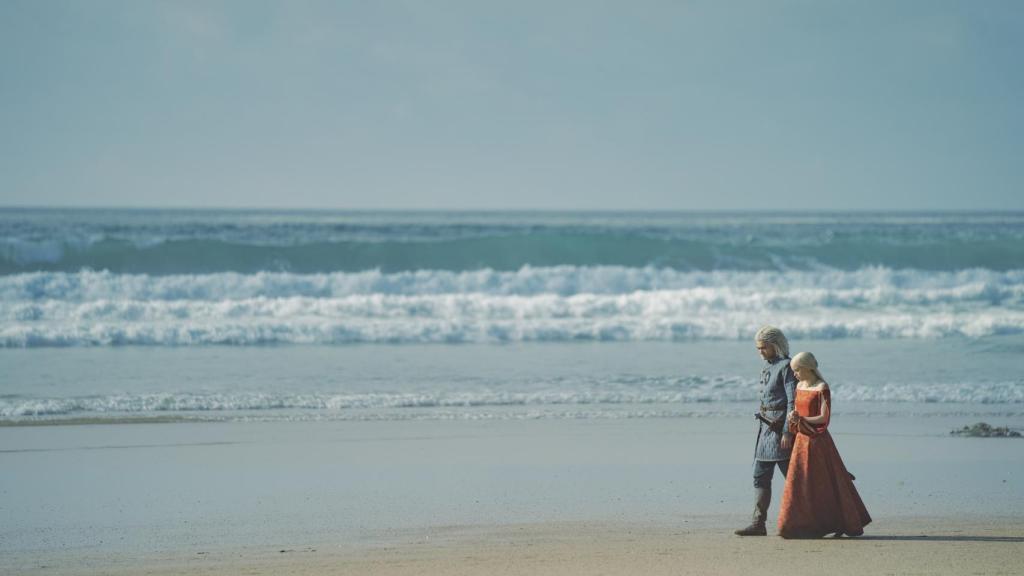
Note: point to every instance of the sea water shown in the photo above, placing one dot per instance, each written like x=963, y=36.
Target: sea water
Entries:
x=136, y=315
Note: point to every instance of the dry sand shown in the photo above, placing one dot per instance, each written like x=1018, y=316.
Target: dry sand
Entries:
x=918, y=546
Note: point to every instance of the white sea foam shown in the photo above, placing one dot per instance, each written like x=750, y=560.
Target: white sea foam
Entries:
x=550, y=304
x=867, y=286
x=601, y=397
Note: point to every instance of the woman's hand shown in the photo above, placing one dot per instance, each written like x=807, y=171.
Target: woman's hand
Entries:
x=794, y=417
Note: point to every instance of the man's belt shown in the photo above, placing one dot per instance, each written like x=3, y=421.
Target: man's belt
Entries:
x=780, y=408
x=774, y=425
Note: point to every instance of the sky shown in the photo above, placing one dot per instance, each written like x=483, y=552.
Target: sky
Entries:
x=546, y=105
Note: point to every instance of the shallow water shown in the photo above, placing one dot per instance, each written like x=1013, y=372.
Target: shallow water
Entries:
x=977, y=378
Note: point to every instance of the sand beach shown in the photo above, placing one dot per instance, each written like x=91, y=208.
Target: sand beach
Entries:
x=639, y=496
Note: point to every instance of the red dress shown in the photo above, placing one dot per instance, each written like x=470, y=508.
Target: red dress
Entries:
x=819, y=498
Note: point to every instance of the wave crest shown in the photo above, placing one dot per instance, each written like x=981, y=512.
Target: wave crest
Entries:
x=676, y=391
x=530, y=304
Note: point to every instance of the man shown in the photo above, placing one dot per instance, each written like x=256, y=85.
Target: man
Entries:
x=774, y=442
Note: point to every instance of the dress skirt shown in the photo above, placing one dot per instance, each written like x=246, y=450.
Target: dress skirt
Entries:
x=819, y=497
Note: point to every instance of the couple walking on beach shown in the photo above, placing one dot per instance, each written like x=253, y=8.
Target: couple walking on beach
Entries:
x=819, y=497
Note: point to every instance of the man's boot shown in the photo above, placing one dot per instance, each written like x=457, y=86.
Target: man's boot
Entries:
x=762, y=498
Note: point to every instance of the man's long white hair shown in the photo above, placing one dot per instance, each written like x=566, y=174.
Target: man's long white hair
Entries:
x=775, y=337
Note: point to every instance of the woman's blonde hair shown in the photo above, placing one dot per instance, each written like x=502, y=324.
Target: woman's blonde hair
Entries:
x=807, y=360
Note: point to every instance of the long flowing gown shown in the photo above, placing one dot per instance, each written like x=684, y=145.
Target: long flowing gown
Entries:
x=820, y=497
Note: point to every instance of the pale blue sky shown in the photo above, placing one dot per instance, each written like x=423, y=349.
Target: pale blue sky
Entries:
x=521, y=105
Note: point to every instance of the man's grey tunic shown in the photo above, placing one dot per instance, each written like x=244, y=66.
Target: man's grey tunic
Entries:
x=778, y=397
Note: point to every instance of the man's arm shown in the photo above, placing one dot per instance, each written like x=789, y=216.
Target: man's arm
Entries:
x=789, y=385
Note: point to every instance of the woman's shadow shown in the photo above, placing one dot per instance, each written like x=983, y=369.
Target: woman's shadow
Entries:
x=927, y=538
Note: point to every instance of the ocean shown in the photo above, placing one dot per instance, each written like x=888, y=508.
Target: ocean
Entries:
x=128, y=316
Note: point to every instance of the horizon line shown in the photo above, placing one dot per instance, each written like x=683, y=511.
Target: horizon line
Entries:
x=322, y=209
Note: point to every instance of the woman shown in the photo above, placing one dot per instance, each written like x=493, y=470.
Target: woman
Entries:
x=819, y=497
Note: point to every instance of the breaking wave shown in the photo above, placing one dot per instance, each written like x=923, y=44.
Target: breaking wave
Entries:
x=530, y=304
